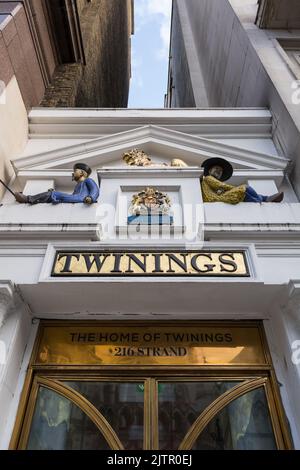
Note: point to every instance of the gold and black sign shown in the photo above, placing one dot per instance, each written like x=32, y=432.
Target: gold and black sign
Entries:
x=163, y=344
x=146, y=263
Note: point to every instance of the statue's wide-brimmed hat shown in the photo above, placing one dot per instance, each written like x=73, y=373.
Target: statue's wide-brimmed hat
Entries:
x=83, y=167
x=224, y=164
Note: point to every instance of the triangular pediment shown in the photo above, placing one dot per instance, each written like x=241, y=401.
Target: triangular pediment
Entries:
x=161, y=143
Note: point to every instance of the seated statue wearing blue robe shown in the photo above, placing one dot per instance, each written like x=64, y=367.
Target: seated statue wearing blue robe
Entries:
x=85, y=191
x=82, y=190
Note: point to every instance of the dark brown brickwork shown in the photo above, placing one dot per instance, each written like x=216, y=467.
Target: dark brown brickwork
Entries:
x=29, y=49
x=64, y=87
x=104, y=80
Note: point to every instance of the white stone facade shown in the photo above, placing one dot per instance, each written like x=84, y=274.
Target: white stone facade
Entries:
x=30, y=235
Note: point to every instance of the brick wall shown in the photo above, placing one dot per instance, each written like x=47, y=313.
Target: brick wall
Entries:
x=64, y=87
x=104, y=80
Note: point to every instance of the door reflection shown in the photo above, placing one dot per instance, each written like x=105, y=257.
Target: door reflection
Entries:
x=179, y=405
x=58, y=424
x=122, y=404
x=244, y=424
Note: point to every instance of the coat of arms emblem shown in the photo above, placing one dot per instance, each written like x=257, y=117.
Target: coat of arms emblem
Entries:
x=150, y=207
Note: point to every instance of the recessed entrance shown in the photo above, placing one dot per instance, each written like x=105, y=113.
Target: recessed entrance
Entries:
x=142, y=406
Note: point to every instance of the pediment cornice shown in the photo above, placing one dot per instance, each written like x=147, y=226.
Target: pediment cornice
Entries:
x=154, y=140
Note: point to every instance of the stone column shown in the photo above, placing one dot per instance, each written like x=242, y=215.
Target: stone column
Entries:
x=15, y=329
x=291, y=311
x=290, y=321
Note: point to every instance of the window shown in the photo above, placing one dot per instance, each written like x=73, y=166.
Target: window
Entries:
x=289, y=49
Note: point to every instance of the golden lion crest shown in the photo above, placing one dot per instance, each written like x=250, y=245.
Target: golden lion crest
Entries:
x=150, y=200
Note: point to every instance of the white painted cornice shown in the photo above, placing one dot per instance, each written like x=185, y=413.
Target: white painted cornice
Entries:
x=39, y=231
x=148, y=172
x=88, y=123
x=107, y=115
x=262, y=232
x=63, y=177
x=152, y=139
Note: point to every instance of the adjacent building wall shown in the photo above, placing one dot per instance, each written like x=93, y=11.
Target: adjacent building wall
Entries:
x=182, y=95
x=20, y=84
x=13, y=129
x=103, y=81
x=96, y=70
x=17, y=54
x=241, y=66
x=31, y=73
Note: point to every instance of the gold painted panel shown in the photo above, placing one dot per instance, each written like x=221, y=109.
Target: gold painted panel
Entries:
x=150, y=345
x=192, y=263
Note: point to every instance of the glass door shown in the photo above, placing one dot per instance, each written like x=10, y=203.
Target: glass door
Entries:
x=85, y=415
x=215, y=415
x=165, y=413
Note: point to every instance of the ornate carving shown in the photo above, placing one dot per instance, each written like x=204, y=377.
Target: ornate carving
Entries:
x=136, y=157
x=177, y=162
x=150, y=201
x=6, y=300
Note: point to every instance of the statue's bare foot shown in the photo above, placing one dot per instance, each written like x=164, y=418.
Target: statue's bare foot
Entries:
x=20, y=197
x=278, y=197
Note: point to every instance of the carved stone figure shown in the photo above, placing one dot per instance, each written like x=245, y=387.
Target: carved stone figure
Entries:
x=86, y=190
x=218, y=170
x=138, y=157
x=177, y=162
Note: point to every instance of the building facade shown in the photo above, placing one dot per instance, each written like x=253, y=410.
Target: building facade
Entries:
x=60, y=54
x=123, y=330
x=228, y=53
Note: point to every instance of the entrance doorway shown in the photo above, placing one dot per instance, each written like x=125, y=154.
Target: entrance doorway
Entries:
x=230, y=404
x=166, y=413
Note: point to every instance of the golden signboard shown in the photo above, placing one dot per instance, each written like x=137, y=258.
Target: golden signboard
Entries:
x=145, y=263
x=188, y=344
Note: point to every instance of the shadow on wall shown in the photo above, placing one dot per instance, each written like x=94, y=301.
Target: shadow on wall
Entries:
x=13, y=129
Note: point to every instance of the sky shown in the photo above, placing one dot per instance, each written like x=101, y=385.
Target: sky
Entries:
x=150, y=53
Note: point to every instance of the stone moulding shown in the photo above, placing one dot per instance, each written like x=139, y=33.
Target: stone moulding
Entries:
x=32, y=231
x=6, y=300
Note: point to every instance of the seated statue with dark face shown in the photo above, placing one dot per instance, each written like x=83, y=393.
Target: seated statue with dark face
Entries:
x=218, y=170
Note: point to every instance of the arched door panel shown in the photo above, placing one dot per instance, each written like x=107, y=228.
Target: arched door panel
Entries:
x=59, y=418
x=238, y=419
x=122, y=405
x=179, y=405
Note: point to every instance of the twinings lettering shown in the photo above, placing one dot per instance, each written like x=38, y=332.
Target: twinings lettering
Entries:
x=198, y=343
x=150, y=264
x=115, y=337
